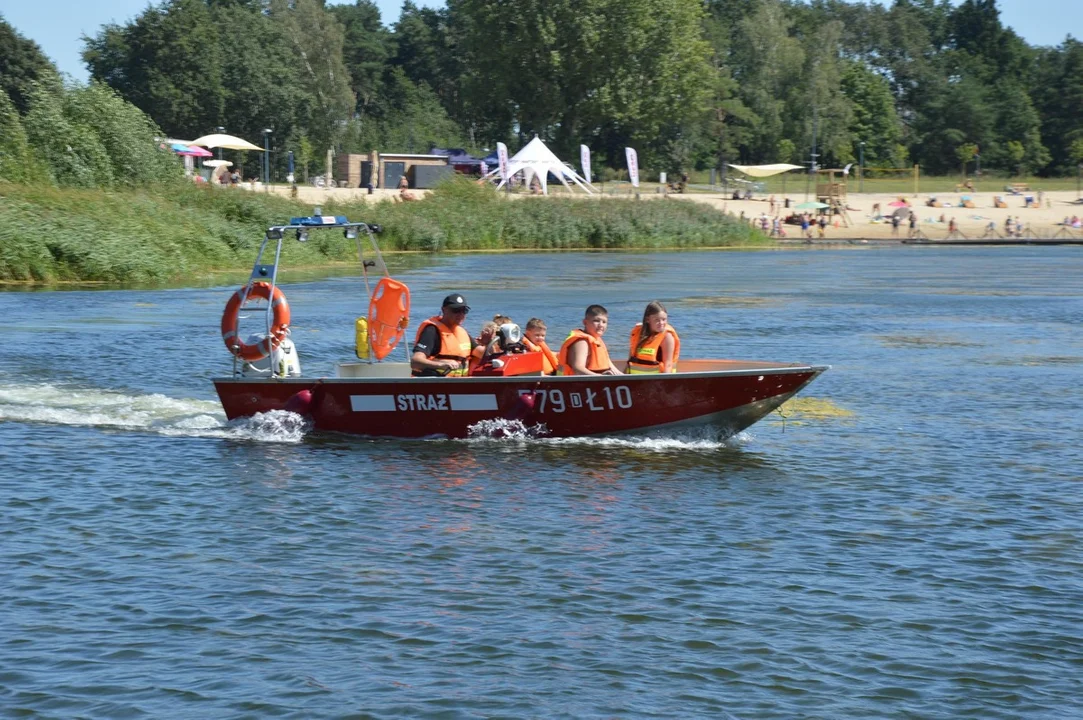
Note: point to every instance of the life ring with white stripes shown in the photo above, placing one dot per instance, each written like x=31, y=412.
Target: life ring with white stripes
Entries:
x=279, y=326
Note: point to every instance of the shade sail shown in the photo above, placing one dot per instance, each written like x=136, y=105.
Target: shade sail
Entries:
x=229, y=142
x=811, y=206
x=537, y=160
x=765, y=170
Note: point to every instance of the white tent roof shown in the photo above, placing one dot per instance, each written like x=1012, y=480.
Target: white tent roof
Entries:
x=535, y=159
x=765, y=170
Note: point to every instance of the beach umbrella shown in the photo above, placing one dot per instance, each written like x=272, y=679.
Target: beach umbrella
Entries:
x=901, y=212
x=191, y=150
x=811, y=206
x=228, y=142
x=898, y=203
x=216, y=163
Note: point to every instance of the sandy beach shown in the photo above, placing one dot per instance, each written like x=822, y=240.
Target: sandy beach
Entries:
x=1038, y=222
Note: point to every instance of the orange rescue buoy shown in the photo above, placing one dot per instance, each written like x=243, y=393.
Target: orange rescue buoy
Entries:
x=279, y=325
x=389, y=314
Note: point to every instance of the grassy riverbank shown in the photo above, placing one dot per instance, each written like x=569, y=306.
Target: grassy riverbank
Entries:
x=165, y=234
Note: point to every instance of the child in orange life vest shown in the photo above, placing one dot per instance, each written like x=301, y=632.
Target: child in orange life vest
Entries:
x=653, y=345
x=584, y=352
x=534, y=341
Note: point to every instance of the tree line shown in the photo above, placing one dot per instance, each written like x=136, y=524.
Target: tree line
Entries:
x=692, y=84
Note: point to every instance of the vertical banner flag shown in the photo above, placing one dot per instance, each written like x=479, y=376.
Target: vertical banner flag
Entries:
x=584, y=160
x=633, y=165
x=502, y=155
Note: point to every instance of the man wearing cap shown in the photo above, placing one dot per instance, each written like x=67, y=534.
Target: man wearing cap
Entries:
x=443, y=347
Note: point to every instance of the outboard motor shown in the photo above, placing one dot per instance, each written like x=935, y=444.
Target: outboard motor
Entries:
x=510, y=337
x=283, y=359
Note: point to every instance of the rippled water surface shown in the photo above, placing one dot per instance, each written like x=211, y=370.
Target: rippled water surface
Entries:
x=905, y=542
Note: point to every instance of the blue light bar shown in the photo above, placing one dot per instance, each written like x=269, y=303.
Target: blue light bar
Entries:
x=320, y=220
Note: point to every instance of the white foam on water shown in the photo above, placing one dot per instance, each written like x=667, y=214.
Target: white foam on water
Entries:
x=695, y=439
x=698, y=439
x=501, y=429
x=91, y=407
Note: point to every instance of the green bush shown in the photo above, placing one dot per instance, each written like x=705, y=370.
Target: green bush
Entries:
x=168, y=232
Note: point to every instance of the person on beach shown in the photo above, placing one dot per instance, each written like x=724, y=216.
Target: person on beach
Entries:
x=534, y=341
x=653, y=346
x=443, y=347
x=804, y=226
x=584, y=352
x=894, y=226
x=913, y=226
x=822, y=224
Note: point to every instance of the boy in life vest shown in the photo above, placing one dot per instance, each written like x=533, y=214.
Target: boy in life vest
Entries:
x=443, y=347
x=584, y=353
x=653, y=346
x=534, y=341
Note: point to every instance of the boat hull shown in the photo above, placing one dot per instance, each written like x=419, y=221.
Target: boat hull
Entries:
x=726, y=395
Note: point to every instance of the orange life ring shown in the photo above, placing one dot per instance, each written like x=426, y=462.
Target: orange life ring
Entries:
x=389, y=314
x=279, y=326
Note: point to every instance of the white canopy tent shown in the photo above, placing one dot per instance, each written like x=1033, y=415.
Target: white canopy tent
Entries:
x=535, y=159
x=762, y=171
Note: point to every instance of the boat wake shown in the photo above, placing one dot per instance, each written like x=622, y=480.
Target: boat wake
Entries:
x=501, y=429
x=89, y=407
x=699, y=439
x=695, y=439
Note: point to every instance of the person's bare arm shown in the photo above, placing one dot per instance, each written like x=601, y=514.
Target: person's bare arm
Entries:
x=577, y=358
x=669, y=346
x=419, y=362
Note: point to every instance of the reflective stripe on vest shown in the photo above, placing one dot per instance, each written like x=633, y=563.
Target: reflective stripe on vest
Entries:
x=597, y=353
x=647, y=358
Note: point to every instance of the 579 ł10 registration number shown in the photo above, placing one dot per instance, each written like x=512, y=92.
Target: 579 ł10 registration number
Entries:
x=555, y=400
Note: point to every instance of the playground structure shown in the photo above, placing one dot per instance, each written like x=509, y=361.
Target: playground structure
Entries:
x=831, y=191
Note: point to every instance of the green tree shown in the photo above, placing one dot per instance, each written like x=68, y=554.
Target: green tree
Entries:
x=1057, y=98
x=832, y=111
x=604, y=72
x=366, y=50
x=423, y=49
x=768, y=65
x=22, y=63
x=17, y=161
x=316, y=40
x=1075, y=152
x=874, y=120
x=126, y=134
x=785, y=151
x=965, y=153
x=1014, y=152
x=72, y=152
x=167, y=63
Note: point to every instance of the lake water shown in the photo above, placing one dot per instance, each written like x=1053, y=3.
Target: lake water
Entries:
x=905, y=543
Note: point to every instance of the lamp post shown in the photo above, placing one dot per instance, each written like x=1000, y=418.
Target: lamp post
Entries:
x=861, y=167
x=219, y=130
x=267, y=156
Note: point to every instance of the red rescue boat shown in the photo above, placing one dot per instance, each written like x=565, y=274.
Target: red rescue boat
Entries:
x=381, y=399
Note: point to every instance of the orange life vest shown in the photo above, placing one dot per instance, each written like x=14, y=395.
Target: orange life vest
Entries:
x=549, y=360
x=646, y=358
x=454, y=344
x=597, y=353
